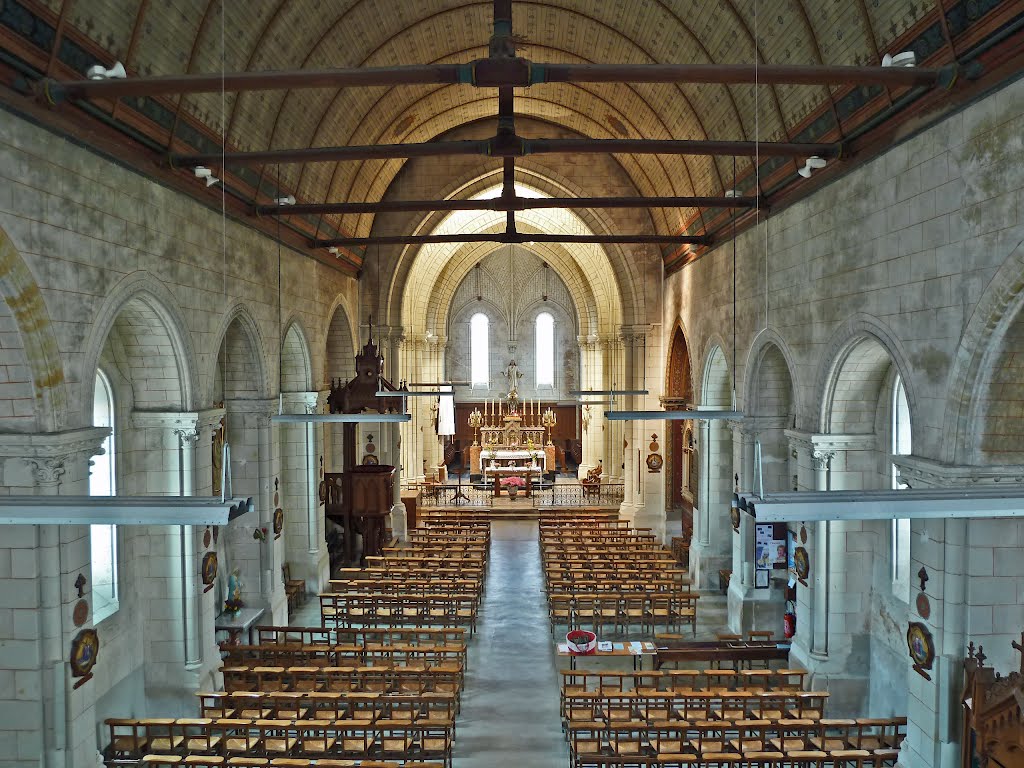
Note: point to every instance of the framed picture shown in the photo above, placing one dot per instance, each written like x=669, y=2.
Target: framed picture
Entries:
x=762, y=578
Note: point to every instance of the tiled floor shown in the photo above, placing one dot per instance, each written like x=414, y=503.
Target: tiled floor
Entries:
x=510, y=704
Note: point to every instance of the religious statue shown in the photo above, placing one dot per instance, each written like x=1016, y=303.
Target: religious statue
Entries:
x=234, y=598
x=512, y=375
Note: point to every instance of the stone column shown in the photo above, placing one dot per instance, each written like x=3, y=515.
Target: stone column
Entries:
x=819, y=616
x=593, y=423
x=395, y=433
x=48, y=722
x=188, y=437
x=304, y=548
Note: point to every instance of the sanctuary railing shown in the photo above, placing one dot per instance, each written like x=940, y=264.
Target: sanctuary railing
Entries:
x=579, y=495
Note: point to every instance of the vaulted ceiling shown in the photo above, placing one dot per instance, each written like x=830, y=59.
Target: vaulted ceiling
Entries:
x=61, y=37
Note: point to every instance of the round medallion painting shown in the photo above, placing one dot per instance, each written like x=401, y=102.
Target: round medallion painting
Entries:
x=84, y=650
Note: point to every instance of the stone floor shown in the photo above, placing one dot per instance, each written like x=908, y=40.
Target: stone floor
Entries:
x=510, y=703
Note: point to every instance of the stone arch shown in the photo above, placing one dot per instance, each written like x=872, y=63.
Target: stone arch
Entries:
x=983, y=340
x=240, y=370
x=769, y=407
x=861, y=342
x=138, y=315
x=679, y=366
x=339, y=345
x=296, y=367
x=716, y=381
x=770, y=362
x=35, y=373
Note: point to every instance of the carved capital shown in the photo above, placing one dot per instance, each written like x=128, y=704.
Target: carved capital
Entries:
x=821, y=459
x=48, y=471
x=188, y=435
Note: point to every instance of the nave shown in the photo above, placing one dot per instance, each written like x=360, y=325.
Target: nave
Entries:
x=391, y=685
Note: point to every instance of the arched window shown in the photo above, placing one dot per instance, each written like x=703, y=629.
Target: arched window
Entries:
x=102, y=482
x=545, y=350
x=900, y=534
x=479, y=349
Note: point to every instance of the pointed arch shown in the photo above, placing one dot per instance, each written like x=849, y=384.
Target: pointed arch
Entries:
x=240, y=353
x=296, y=365
x=143, y=306
x=45, y=380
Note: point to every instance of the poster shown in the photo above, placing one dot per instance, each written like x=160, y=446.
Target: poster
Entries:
x=770, y=550
x=761, y=578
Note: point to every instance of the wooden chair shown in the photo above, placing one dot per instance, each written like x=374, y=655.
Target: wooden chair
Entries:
x=295, y=589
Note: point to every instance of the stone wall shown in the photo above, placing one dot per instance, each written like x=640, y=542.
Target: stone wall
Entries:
x=911, y=264
x=98, y=265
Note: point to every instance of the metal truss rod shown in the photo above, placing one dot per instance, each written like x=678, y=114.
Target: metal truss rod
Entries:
x=507, y=204
x=507, y=237
x=498, y=72
x=509, y=146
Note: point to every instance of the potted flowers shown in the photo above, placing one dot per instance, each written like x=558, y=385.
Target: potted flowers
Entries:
x=512, y=485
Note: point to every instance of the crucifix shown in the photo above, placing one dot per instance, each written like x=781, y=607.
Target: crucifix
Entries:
x=1020, y=649
x=923, y=576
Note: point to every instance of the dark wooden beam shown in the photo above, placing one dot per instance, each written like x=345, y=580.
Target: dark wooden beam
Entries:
x=508, y=145
x=503, y=203
x=498, y=72
x=507, y=237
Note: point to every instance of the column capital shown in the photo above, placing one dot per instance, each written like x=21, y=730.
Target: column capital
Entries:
x=47, y=454
x=809, y=441
x=821, y=458
x=47, y=472
x=210, y=418
x=172, y=421
x=300, y=402
x=922, y=472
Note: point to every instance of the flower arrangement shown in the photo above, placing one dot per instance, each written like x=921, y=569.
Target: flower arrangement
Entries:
x=513, y=482
x=260, y=534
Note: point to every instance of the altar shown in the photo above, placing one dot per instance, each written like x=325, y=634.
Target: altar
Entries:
x=510, y=434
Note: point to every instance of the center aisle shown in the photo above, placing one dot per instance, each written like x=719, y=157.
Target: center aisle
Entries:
x=510, y=701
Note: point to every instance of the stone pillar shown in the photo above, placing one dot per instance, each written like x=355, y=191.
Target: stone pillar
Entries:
x=394, y=432
x=188, y=437
x=819, y=617
x=47, y=722
x=304, y=547
x=170, y=585
x=593, y=422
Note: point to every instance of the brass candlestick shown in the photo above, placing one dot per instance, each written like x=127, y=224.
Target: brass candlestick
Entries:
x=475, y=420
x=549, y=419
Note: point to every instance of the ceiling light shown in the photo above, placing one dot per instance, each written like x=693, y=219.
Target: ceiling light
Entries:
x=202, y=172
x=334, y=250
x=810, y=165
x=99, y=72
x=286, y=200
x=905, y=59
x=732, y=193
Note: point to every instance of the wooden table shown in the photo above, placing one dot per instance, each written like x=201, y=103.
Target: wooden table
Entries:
x=498, y=473
x=721, y=650
x=238, y=622
x=635, y=650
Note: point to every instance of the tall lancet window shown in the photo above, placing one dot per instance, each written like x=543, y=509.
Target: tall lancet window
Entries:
x=479, y=349
x=900, y=533
x=103, y=538
x=545, y=350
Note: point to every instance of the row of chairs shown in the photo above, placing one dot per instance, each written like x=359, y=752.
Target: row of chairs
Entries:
x=315, y=655
x=342, y=679
x=215, y=761
x=243, y=737
x=408, y=586
x=877, y=742
x=682, y=680
x=624, y=610
x=369, y=638
x=684, y=707
x=331, y=706
x=443, y=609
